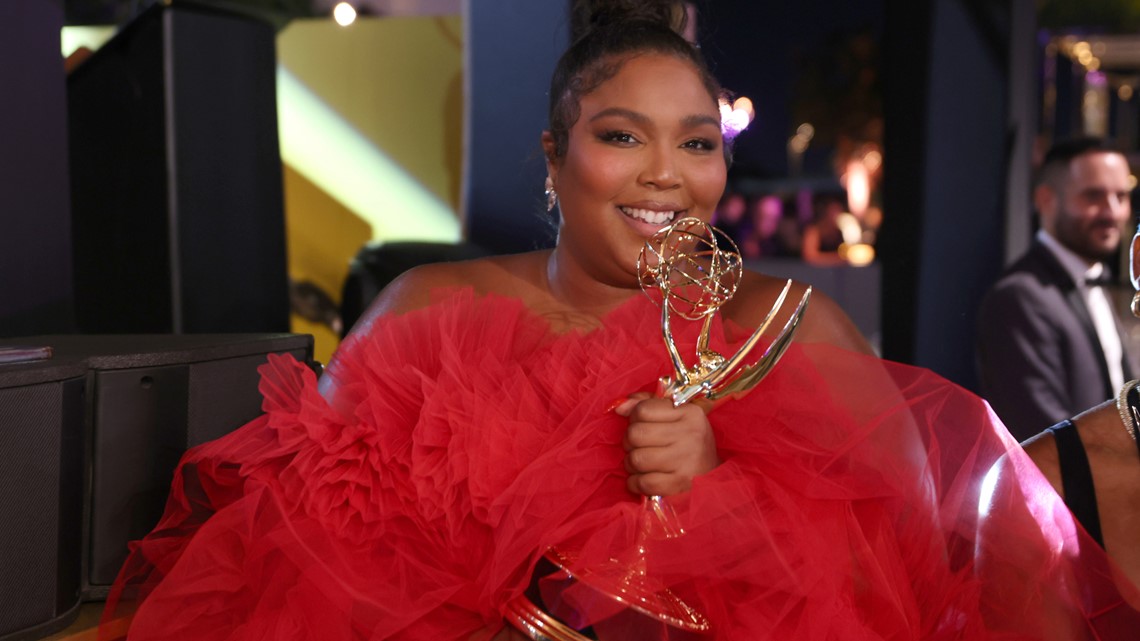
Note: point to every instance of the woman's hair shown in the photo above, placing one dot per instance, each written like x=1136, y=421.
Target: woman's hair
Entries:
x=607, y=33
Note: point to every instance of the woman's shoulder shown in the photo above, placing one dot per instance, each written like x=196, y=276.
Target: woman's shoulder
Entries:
x=824, y=320
x=1106, y=443
x=1042, y=450
x=509, y=275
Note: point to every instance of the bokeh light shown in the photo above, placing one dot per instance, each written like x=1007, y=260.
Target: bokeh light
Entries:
x=344, y=14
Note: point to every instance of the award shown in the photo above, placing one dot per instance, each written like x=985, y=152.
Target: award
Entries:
x=690, y=269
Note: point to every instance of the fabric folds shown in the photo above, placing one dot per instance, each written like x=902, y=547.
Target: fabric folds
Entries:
x=411, y=492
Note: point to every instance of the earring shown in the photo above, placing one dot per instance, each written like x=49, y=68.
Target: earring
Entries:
x=1136, y=305
x=551, y=195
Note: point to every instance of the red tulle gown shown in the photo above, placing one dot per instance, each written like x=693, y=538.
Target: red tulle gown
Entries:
x=412, y=494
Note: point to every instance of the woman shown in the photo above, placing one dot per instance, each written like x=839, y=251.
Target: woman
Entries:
x=469, y=424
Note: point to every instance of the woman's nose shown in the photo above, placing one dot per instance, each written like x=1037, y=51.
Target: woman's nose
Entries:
x=660, y=169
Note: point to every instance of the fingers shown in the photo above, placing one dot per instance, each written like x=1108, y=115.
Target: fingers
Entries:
x=666, y=446
x=623, y=407
x=658, y=484
x=657, y=410
x=650, y=459
x=656, y=423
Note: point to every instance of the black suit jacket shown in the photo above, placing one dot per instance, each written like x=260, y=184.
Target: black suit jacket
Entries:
x=1038, y=354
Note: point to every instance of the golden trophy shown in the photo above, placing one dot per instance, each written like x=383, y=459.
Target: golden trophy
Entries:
x=690, y=269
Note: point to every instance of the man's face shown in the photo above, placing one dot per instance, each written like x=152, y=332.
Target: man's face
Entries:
x=1086, y=208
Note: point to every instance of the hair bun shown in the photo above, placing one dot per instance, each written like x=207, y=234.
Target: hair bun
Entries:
x=587, y=15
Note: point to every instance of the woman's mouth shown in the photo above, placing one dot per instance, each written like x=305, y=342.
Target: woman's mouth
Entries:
x=650, y=216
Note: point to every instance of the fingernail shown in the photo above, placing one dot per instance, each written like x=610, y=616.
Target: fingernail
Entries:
x=616, y=403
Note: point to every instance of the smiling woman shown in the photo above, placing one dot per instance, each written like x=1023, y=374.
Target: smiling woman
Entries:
x=646, y=150
x=485, y=412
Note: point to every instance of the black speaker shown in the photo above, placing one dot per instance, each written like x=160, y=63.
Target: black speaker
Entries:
x=41, y=496
x=176, y=180
x=148, y=399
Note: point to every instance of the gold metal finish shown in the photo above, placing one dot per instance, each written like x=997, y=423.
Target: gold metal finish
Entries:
x=1127, y=414
x=538, y=625
x=691, y=269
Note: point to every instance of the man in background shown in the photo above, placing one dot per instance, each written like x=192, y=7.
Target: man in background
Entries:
x=1052, y=340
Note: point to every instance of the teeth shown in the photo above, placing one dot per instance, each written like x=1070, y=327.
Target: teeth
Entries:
x=649, y=216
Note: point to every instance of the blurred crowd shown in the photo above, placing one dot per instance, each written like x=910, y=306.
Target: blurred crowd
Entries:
x=814, y=227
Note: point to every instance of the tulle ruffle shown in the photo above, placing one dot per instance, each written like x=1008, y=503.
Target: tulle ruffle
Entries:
x=411, y=495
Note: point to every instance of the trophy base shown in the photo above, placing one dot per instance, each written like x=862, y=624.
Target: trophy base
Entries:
x=635, y=590
x=537, y=624
x=529, y=611
x=637, y=609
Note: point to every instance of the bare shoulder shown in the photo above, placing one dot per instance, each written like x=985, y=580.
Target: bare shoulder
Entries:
x=511, y=275
x=824, y=321
x=1101, y=434
x=1042, y=449
x=1107, y=442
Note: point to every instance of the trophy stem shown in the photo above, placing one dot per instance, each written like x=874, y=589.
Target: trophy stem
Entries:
x=680, y=372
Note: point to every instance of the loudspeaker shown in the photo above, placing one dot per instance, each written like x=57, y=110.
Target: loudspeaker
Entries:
x=148, y=399
x=177, y=191
x=41, y=496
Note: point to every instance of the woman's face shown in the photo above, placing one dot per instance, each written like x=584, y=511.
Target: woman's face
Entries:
x=645, y=151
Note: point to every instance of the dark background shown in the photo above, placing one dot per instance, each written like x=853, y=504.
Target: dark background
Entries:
x=955, y=83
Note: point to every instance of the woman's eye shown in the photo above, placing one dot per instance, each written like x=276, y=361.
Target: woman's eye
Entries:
x=620, y=137
x=700, y=144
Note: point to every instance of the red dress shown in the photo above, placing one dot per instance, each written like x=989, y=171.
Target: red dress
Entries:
x=412, y=494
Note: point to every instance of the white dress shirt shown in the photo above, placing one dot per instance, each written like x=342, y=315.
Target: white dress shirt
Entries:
x=1096, y=299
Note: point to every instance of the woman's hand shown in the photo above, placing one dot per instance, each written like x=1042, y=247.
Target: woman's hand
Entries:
x=666, y=446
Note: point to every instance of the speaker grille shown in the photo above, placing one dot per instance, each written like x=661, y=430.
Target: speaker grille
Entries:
x=30, y=420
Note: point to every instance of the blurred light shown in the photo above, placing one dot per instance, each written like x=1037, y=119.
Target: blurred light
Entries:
x=1081, y=48
x=735, y=118
x=858, y=254
x=1099, y=48
x=1085, y=57
x=362, y=178
x=873, y=160
x=858, y=182
x=1131, y=182
x=798, y=144
x=73, y=38
x=744, y=104
x=806, y=130
x=344, y=14
x=1124, y=92
x=849, y=227
x=872, y=219
x=1093, y=65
